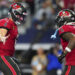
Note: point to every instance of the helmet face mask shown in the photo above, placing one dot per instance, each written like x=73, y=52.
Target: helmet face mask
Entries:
x=65, y=16
x=18, y=13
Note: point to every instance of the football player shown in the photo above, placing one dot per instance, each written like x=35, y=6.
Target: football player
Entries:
x=66, y=22
x=8, y=35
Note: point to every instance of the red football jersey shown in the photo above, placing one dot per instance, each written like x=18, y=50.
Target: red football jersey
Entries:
x=8, y=49
x=70, y=27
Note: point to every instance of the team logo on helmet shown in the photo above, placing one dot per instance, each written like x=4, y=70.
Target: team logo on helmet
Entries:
x=65, y=16
x=15, y=6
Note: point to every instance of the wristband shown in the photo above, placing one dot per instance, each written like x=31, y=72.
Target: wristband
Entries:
x=68, y=49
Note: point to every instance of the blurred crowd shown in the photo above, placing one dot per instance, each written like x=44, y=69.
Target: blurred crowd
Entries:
x=47, y=63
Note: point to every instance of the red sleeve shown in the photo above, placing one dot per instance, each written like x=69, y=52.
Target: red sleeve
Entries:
x=5, y=23
x=64, y=29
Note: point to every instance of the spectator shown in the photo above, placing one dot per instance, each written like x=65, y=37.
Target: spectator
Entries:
x=39, y=63
x=50, y=6
x=57, y=46
x=31, y=5
x=53, y=63
x=42, y=15
x=59, y=5
x=69, y=4
x=3, y=9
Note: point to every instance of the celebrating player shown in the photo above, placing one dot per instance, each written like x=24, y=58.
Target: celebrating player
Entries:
x=8, y=35
x=66, y=22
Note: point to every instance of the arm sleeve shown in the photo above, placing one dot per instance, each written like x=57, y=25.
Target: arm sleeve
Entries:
x=5, y=24
x=64, y=29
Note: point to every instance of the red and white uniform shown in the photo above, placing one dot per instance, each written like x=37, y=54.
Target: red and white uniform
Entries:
x=69, y=27
x=8, y=49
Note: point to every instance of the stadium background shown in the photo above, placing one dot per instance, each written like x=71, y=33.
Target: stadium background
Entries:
x=39, y=26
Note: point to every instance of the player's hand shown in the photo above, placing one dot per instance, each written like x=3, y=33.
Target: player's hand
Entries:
x=60, y=58
x=3, y=39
